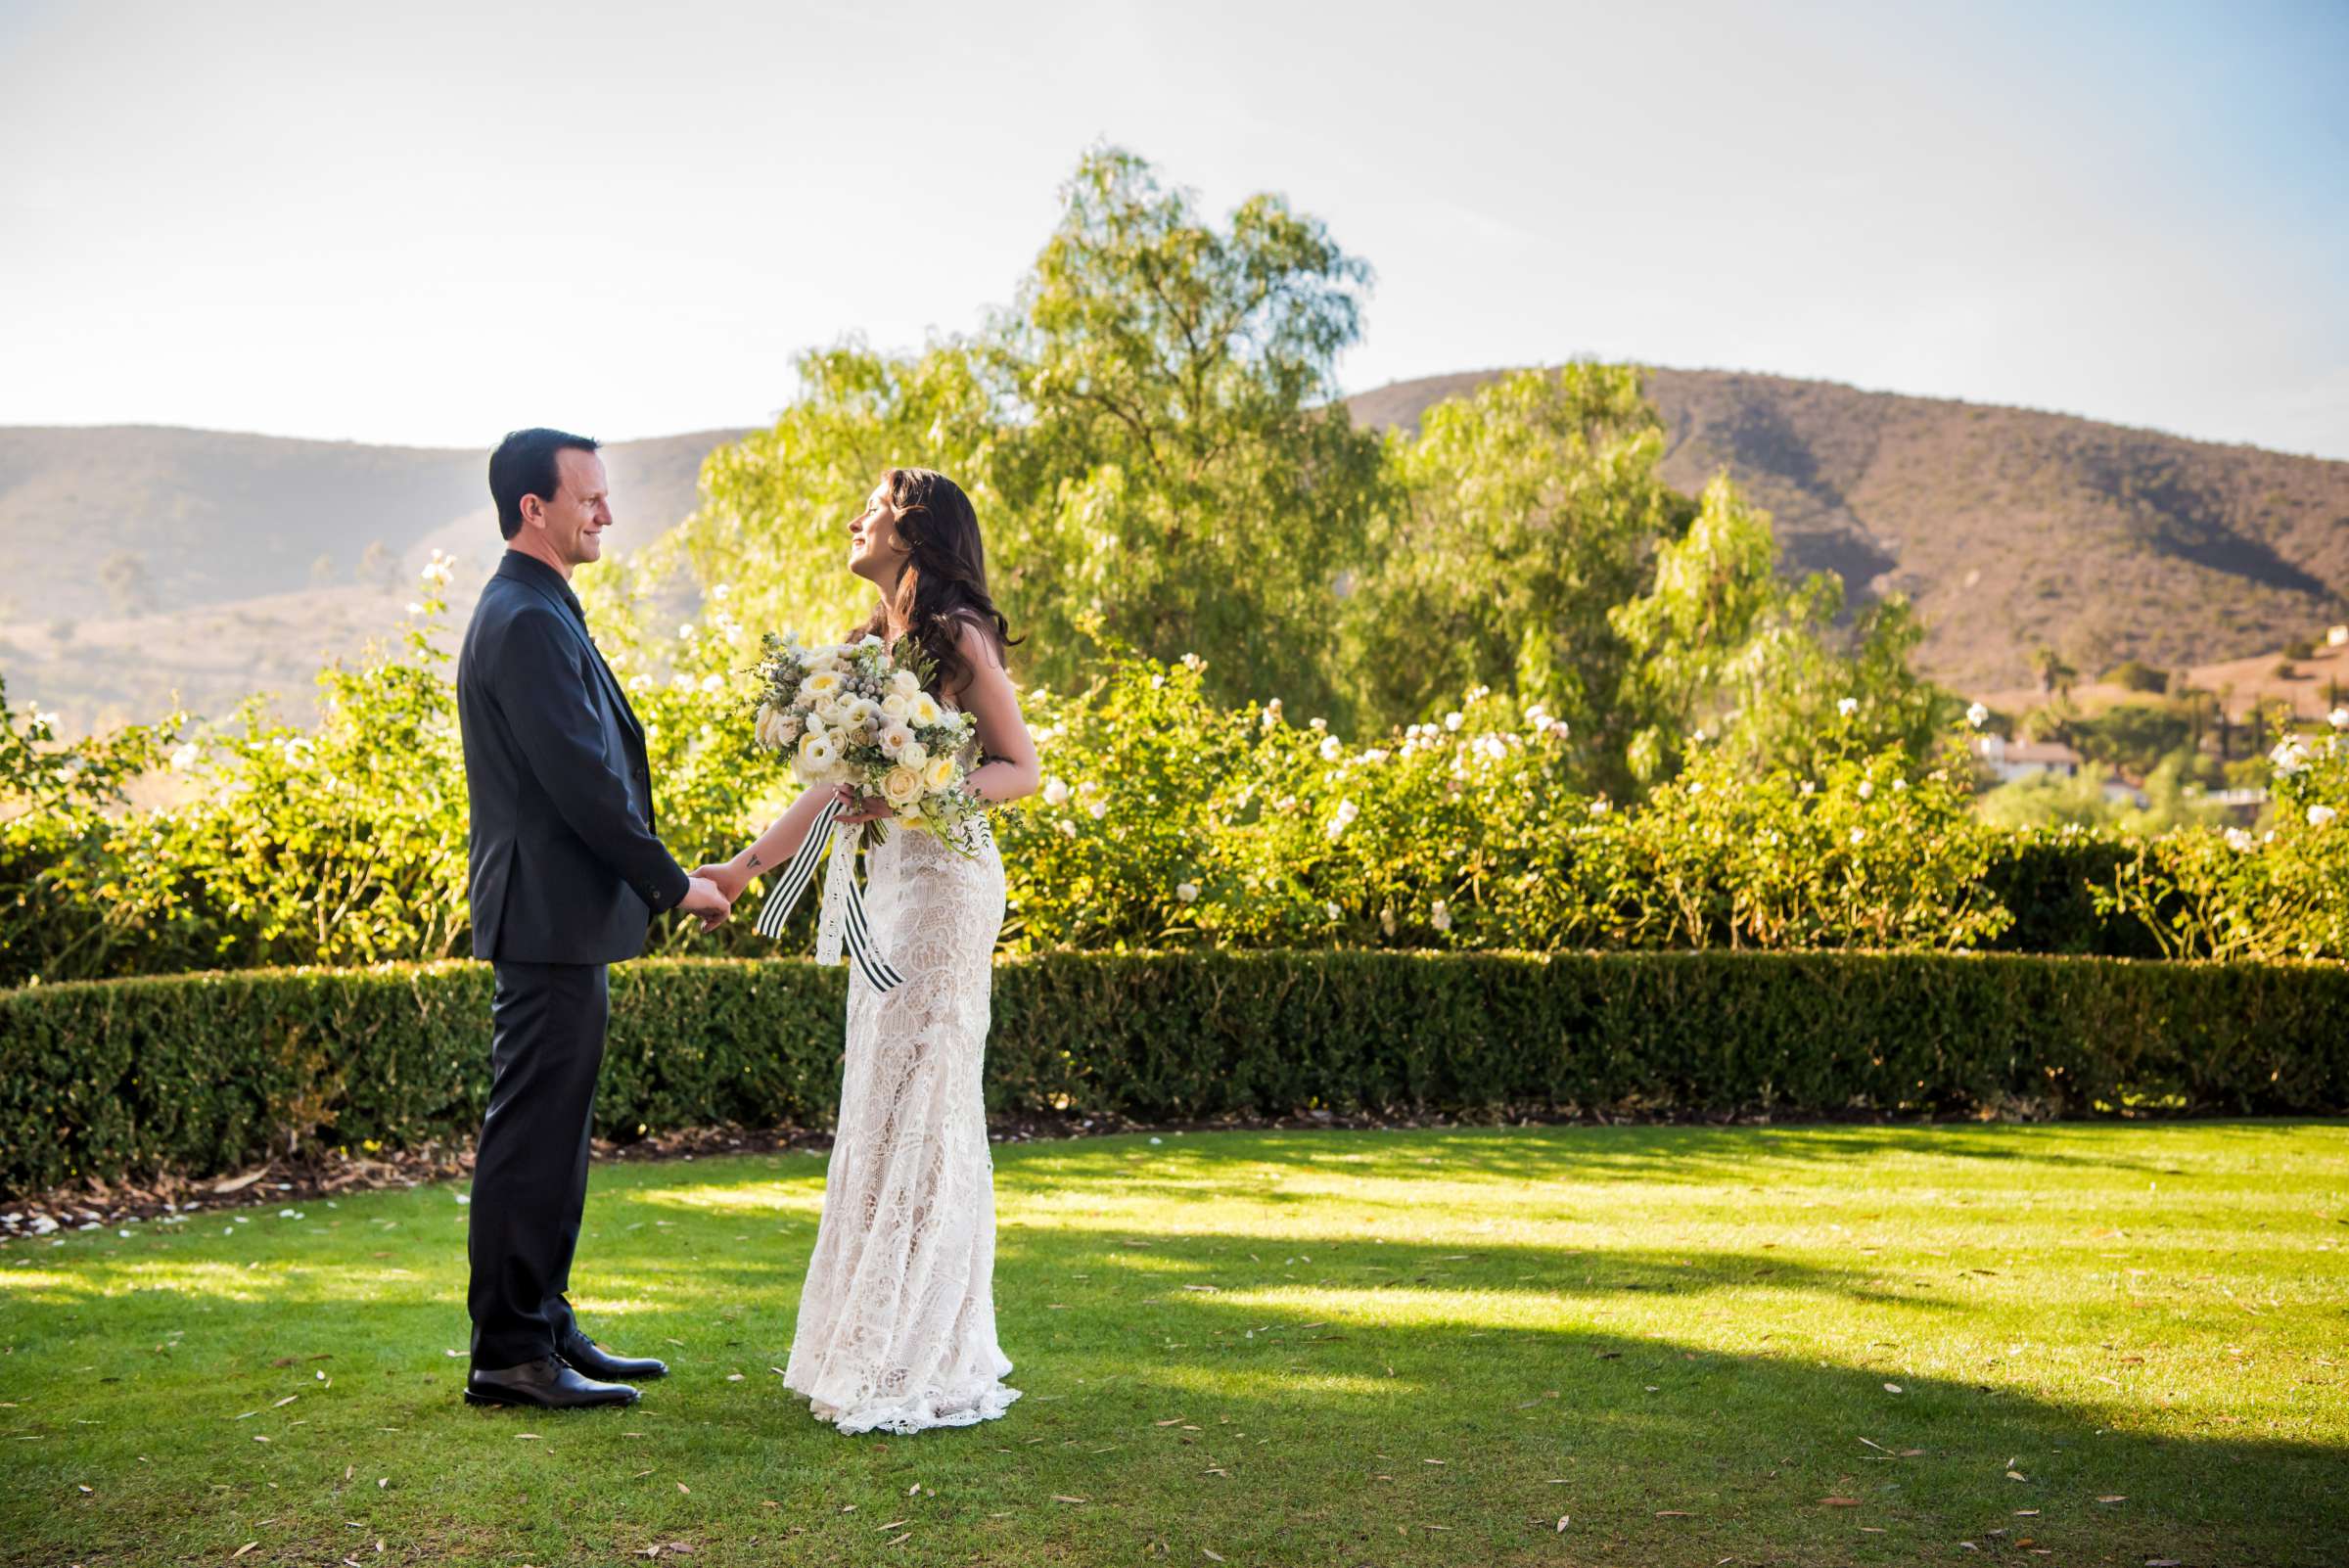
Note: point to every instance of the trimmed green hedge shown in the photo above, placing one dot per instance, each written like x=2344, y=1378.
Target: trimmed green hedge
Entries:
x=201, y=1074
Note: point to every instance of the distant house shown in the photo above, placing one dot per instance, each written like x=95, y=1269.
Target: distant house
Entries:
x=2012, y=759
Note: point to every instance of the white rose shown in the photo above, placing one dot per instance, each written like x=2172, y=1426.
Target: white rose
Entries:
x=2289, y=756
x=823, y=681
x=2239, y=841
x=1333, y=911
x=1056, y=792
x=940, y=775
x=906, y=683
x=1453, y=720
x=769, y=728
x=894, y=738
x=1099, y=809
x=1977, y=716
x=1859, y=836
x=1068, y=829
x=1867, y=790
x=186, y=758
x=1439, y=917
x=923, y=709
x=2338, y=718
x=2319, y=815
x=1847, y=706
x=893, y=704
x=1330, y=749
x=1186, y=892
x=902, y=786
x=914, y=755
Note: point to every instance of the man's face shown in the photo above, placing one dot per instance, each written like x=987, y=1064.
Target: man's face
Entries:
x=575, y=518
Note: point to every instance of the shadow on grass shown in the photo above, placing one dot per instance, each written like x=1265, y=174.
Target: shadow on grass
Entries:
x=1744, y=1155
x=1435, y=1358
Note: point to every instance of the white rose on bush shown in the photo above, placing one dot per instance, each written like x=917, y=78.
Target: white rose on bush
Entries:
x=1186, y=892
x=1056, y=792
x=2319, y=815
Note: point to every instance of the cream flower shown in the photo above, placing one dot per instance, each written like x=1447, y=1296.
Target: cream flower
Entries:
x=906, y=683
x=914, y=756
x=2319, y=815
x=1847, y=706
x=939, y=776
x=902, y=786
x=1439, y=917
x=1056, y=792
x=894, y=705
x=1976, y=715
x=923, y=709
x=895, y=739
x=1186, y=892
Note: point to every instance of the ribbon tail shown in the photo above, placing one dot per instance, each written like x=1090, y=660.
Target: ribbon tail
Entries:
x=796, y=875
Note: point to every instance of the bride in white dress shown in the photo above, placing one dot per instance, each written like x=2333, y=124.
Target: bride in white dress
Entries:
x=896, y=1327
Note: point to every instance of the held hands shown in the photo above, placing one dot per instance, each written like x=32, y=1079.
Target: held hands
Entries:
x=707, y=898
x=861, y=807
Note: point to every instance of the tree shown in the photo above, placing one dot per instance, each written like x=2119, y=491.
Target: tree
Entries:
x=2055, y=675
x=1517, y=518
x=1186, y=446
x=125, y=576
x=322, y=572
x=1152, y=439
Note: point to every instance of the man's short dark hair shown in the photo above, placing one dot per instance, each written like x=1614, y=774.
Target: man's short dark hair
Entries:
x=526, y=464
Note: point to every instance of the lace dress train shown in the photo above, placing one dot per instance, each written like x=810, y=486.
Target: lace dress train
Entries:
x=896, y=1327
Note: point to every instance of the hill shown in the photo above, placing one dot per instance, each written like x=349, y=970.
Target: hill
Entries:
x=2009, y=528
x=146, y=561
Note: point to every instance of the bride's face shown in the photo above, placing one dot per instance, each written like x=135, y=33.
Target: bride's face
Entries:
x=875, y=551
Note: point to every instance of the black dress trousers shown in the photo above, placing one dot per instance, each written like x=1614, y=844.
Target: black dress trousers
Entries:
x=529, y=1173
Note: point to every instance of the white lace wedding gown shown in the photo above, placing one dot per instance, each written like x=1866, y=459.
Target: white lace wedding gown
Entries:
x=896, y=1327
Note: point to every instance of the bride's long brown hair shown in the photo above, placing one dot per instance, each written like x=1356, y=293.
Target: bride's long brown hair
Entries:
x=943, y=581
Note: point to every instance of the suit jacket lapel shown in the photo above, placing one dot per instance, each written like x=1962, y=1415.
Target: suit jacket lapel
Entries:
x=612, y=687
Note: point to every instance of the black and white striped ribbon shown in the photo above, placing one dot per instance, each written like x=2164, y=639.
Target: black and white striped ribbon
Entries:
x=842, y=913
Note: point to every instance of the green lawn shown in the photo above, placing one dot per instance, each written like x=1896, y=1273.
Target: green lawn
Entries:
x=1620, y=1344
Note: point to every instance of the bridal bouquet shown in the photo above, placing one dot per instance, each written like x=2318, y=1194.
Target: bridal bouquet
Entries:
x=856, y=713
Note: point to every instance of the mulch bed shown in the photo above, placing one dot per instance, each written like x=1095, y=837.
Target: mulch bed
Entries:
x=321, y=1173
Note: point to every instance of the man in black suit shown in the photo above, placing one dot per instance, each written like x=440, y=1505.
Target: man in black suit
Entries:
x=566, y=878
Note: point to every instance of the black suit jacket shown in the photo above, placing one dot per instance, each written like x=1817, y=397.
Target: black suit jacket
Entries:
x=565, y=866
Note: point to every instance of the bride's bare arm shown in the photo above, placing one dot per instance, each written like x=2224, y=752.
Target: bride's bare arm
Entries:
x=1011, y=769
x=777, y=844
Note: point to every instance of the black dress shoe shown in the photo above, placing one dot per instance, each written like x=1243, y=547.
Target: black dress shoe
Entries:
x=545, y=1384
x=592, y=1359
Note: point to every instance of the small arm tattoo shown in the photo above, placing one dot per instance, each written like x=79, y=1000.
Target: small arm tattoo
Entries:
x=755, y=863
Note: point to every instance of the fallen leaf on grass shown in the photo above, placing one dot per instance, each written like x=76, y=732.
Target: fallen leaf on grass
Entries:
x=682, y=1487
x=894, y=1524
x=1673, y=1513
x=1841, y=1503
x=1892, y=1388
x=1562, y=1520
x=2118, y=1497
x=1171, y=1420
x=2016, y=1475
x=1058, y=1498
x=1211, y=1554
x=241, y=1551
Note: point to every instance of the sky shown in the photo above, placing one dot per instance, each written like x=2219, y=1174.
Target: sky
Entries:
x=425, y=223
